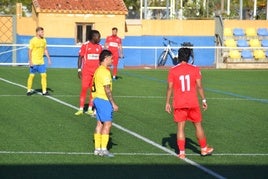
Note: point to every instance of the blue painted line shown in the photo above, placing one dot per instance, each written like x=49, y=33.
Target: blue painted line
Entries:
x=237, y=95
x=208, y=89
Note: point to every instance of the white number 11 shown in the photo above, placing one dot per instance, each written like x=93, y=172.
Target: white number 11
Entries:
x=185, y=82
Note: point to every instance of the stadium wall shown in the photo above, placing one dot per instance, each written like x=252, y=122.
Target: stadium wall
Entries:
x=134, y=51
x=246, y=23
x=137, y=34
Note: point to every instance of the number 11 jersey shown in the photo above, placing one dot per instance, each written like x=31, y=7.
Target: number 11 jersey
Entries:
x=184, y=76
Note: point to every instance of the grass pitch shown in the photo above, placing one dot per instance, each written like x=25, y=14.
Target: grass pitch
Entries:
x=42, y=138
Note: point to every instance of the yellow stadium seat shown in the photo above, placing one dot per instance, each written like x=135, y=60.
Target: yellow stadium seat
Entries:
x=254, y=43
x=259, y=54
x=251, y=32
x=227, y=32
x=234, y=54
x=230, y=43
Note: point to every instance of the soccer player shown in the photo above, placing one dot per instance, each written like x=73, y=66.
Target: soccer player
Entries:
x=88, y=62
x=114, y=44
x=37, y=49
x=104, y=103
x=184, y=80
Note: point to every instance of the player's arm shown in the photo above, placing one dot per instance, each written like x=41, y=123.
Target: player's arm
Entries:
x=168, y=96
x=201, y=93
x=108, y=91
x=80, y=60
x=120, y=48
x=47, y=55
x=106, y=44
x=79, y=66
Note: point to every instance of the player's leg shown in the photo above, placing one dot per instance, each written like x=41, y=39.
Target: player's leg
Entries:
x=83, y=93
x=30, y=80
x=42, y=70
x=181, y=139
x=30, y=84
x=205, y=149
x=90, y=102
x=195, y=116
x=180, y=116
x=44, y=83
x=97, y=138
x=200, y=134
x=105, y=134
x=115, y=66
x=104, y=112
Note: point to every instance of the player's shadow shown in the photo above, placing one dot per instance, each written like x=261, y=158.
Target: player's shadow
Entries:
x=85, y=107
x=171, y=141
x=35, y=91
x=119, y=77
x=111, y=143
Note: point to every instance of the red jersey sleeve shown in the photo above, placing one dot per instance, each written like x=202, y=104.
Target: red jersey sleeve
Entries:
x=82, y=50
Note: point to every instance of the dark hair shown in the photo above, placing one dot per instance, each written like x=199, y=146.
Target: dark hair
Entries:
x=38, y=29
x=115, y=28
x=104, y=54
x=92, y=33
x=184, y=54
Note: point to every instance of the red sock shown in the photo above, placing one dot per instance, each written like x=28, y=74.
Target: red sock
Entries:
x=114, y=70
x=90, y=100
x=115, y=63
x=83, y=95
x=202, y=142
x=181, y=144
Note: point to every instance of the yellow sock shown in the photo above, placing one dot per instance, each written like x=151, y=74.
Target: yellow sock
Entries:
x=97, y=139
x=44, y=82
x=104, y=141
x=30, y=82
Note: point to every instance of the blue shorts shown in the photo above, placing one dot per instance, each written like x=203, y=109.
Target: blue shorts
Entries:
x=104, y=110
x=38, y=69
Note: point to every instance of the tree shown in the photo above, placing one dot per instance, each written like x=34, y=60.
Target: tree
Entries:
x=191, y=8
x=9, y=6
x=133, y=7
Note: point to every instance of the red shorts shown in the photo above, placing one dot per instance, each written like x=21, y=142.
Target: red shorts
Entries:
x=191, y=114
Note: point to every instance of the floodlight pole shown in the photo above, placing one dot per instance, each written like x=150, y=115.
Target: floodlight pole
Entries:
x=228, y=7
x=267, y=10
x=145, y=9
x=181, y=10
x=167, y=9
x=255, y=9
x=241, y=9
x=141, y=9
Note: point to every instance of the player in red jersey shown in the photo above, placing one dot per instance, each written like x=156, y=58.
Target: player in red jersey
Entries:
x=88, y=62
x=183, y=80
x=114, y=44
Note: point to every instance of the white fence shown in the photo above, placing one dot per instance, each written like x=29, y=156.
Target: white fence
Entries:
x=65, y=56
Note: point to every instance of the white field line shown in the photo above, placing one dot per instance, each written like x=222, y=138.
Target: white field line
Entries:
x=210, y=172
x=134, y=97
x=122, y=154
